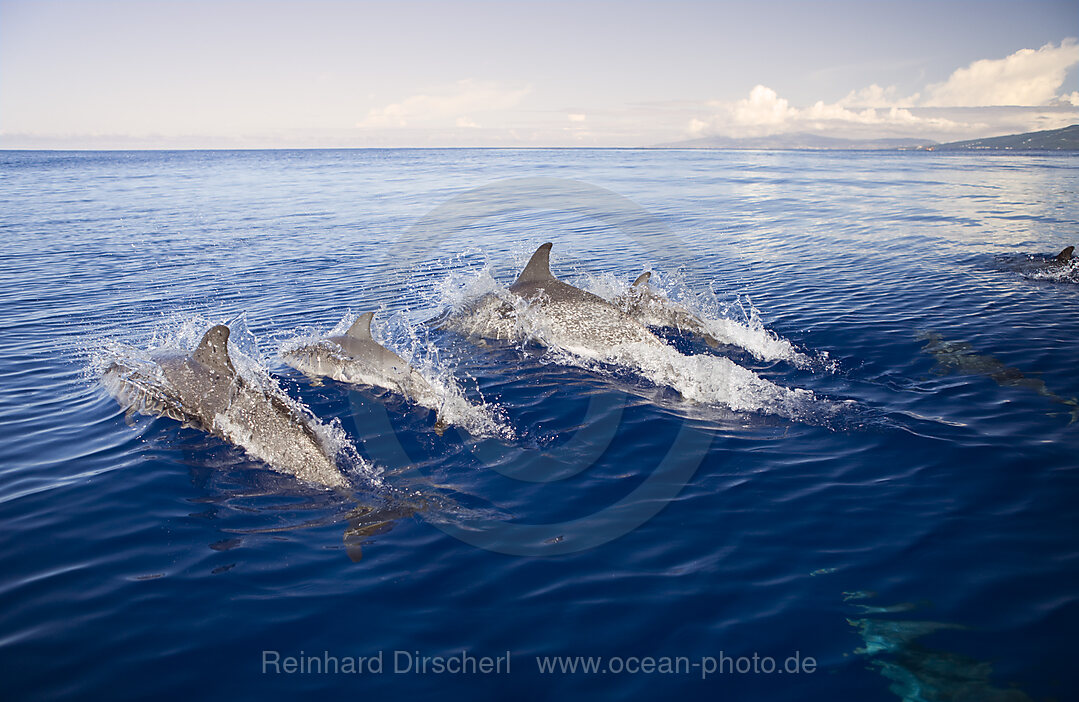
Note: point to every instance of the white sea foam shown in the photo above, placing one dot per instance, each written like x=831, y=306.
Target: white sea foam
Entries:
x=1055, y=272
x=703, y=378
x=737, y=323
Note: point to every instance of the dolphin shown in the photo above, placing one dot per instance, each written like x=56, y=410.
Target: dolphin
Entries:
x=539, y=307
x=356, y=358
x=1060, y=268
x=204, y=390
x=957, y=356
x=654, y=309
x=565, y=315
x=891, y=644
x=365, y=523
x=577, y=318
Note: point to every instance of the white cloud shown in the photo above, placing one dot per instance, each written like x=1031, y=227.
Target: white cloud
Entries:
x=764, y=112
x=763, y=107
x=699, y=127
x=876, y=96
x=454, y=104
x=1027, y=77
x=576, y=117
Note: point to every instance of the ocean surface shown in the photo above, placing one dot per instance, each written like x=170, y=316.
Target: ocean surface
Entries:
x=875, y=470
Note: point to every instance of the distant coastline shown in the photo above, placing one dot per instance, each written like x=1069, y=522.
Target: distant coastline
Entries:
x=1064, y=139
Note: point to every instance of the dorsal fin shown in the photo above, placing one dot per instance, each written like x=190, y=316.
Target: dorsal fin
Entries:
x=1065, y=255
x=642, y=279
x=361, y=328
x=538, y=269
x=213, y=350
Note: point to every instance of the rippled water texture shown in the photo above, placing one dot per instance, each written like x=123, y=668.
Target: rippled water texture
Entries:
x=865, y=453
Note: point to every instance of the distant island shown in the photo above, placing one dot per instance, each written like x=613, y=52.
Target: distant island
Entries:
x=1066, y=139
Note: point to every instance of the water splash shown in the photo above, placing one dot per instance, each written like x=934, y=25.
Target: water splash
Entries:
x=668, y=300
x=1040, y=267
x=1060, y=273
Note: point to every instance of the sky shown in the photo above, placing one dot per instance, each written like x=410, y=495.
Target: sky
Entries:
x=232, y=74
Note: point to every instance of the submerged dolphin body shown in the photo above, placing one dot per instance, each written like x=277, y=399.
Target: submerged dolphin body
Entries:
x=654, y=309
x=892, y=645
x=356, y=358
x=559, y=313
x=957, y=356
x=204, y=390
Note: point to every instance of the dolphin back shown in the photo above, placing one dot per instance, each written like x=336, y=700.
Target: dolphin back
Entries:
x=361, y=328
x=213, y=350
x=1065, y=255
x=204, y=383
x=538, y=269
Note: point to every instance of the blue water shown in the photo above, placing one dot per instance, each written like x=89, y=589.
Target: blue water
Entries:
x=912, y=527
